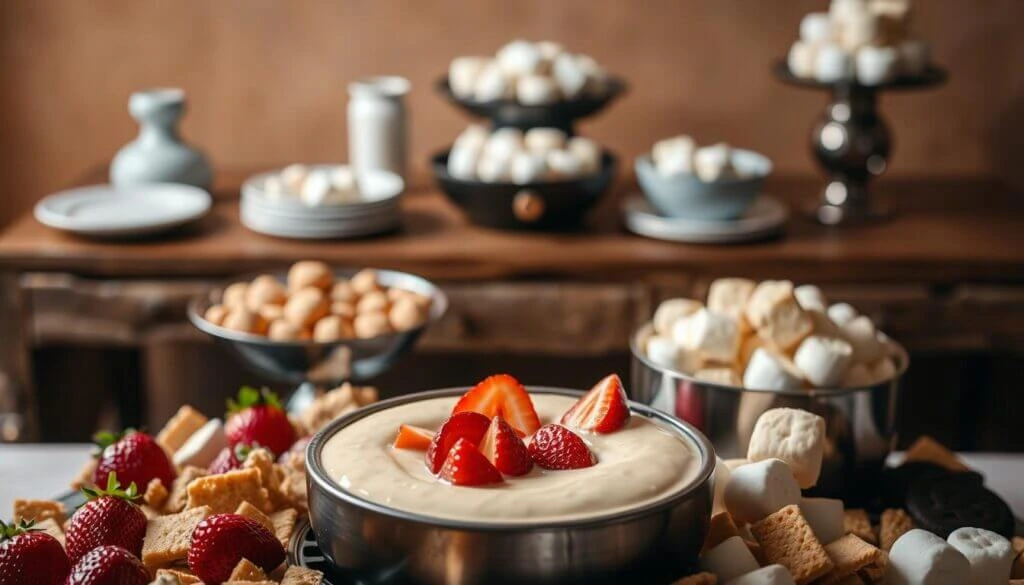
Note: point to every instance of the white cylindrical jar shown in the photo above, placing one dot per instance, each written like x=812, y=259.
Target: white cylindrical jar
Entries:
x=377, y=129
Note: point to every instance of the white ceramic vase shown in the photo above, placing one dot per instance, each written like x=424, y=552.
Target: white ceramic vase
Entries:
x=377, y=124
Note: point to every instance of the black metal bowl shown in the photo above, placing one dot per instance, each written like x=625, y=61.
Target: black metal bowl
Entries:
x=547, y=205
x=561, y=115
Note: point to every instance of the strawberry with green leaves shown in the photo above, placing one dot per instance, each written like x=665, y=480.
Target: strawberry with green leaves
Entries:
x=29, y=556
x=109, y=517
x=256, y=416
x=135, y=457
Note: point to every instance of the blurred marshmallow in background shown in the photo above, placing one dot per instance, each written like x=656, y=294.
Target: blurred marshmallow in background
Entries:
x=832, y=63
x=588, y=153
x=802, y=58
x=543, y=140
x=510, y=155
x=519, y=58
x=674, y=155
x=714, y=163
x=527, y=167
x=816, y=27
x=876, y=65
x=569, y=75
x=563, y=164
x=491, y=84
x=463, y=73
x=536, y=90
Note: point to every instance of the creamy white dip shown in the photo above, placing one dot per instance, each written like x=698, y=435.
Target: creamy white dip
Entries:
x=637, y=465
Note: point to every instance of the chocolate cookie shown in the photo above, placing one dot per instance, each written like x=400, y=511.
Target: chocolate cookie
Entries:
x=896, y=481
x=943, y=504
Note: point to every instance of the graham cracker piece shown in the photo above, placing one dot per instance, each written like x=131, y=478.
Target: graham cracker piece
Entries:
x=335, y=403
x=179, y=491
x=39, y=510
x=168, y=537
x=755, y=549
x=284, y=524
x=721, y=528
x=224, y=492
x=50, y=526
x=245, y=570
x=294, y=488
x=894, y=524
x=849, y=554
x=296, y=575
x=150, y=512
x=84, y=477
x=928, y=449
x=270, y=477
x=698, y=579
x=183, y=577
x=249, y=511
x=875, y=573
x=788, y=540
x=179, y=428
x=156, y=494
x=856, y=521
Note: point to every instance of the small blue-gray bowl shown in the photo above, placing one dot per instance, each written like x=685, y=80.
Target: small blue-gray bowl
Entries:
x=686, y=196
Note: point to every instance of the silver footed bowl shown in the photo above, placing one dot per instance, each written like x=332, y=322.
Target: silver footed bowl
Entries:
x=322, y=364
x=371, y=541
x=860, y=423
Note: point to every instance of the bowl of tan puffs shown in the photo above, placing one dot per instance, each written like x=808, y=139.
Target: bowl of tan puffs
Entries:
x=318, y=324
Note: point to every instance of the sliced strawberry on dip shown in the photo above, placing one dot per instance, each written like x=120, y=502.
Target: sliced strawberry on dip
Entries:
x=467, y=466
x=604, y=409
x=462, y=425
x=502, y=394
x=414, y=438
x=556, y=447
x=503, y=448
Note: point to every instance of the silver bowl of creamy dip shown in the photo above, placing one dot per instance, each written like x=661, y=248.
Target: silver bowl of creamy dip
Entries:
x=643, y=509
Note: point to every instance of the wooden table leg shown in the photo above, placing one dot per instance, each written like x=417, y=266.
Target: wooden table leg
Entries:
x=18, y=415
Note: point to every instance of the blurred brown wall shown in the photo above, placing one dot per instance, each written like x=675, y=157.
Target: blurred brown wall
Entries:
x=267, y=78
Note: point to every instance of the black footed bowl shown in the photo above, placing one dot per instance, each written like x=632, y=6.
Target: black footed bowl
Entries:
x=548, y=205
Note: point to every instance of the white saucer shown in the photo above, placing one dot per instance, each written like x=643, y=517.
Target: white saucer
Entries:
x=766, y=217
x=135, y=210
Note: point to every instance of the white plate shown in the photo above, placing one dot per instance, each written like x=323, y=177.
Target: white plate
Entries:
x=135, y=210
x=766, y=217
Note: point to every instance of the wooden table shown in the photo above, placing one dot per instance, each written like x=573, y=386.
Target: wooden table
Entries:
x=946, y=273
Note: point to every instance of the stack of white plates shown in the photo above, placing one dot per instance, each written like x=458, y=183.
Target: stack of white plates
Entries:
x=375, y=211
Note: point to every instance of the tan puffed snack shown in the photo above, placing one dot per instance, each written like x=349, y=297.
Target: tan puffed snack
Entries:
x=156, y=494
x=249, y=511
x=179, y=491
x=894, y=524
x=52, y=527
x=405, y=314
x=294, y=488
x=39, y=510
x=721, y=528
x=234, y=295
x=929, y=450
x=264, y=290
x=365, y=281
x=334, y=403
x=225, y=492
x=183, y=577
x=179, y=428
x=216, y=314
x=245, y=321
x=342, y=292
x=856, y=521
x=284, y=524
x=283, y=330
x=245, y=570
x=296, y=575
x=698, y=579
x=332, y=328
x=310, y=273
x=272, y=312
x=787, y=540
x=369, y=325
x=343, y=309
x=374, y=300
x=168, y=537
x=849, y=554
x=270, y=478
x=305, y=307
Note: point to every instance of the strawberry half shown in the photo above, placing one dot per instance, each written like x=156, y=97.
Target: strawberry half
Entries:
x=220, y=541
x=108, y=565
x=502, y=394
x=604, y=409
x=466, y=466
x=109, y=517
x=503, y=448
x=461, y=425
x=257, y=417
x=135, y=457
x=230, y=458
x=415, y=438
x=556, y=447
x=29, y=556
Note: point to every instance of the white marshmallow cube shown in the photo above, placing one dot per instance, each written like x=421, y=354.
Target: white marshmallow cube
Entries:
x=714, y=336
x=563, y=164
x=549, y=51
x=730, y=559
x=774, y=311
x=759, y=489
x=588, y=153
x=569, y=75
x=768, y=370
x=663, y=351
x=316, y=188
x=989, y=554
x=876, y=65
x=791, y=435
x=494, y=169
x=544, y=140
x=832, y=63
x=823, y=361
x=463, y=73
x=203, y=446
x=801, y=59
x=492, y=84
x=273, y=188
x=463, y=161
x=343, y=179
x=770, y=575
x=526, y=168
x=714, y=163
x=863, y=338
x=503, y=143
x=810, y=297
x=721, y=479
x=816, y=27
x=597, y=77
x=842, y=313
x=921, y=558
x=536, y=90
x=672, y=310
x=519, y=57
x=915, y=56
x=859, y=28
x=674, y=156
x=293, y=176
x=825, y=517
x=729, y=296
x=474, y=136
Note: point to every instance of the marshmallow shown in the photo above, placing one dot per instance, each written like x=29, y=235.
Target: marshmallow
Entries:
x=674, y=156
x=536, y=90
x=859, y=27
x=823, y=361
x=840, y=10
x=463, y=161
x=474, y=136
x=791, y=435
x=842, y=313
x=810, y=297
x=722, y=376
x=821, y=325
x=759, y=489
x=893, y=19
x=989, y=554
x=293, y=176
x=747, y=348
x=316, y=188
x=876, y=65
x=569, y=75
x=549, y=51
x=713, y=335
x=915, y=56
x=503, y=143
x=768, y=370
x=714, y=163
x=588, y=152
x=273, y=188
x=519, y=58
x=463, y=73
x=544, y=140
x=736, y=463
x=563, y=164
x=863, y=338
x=729, y=559
x=775, y=313
x=832, y=64
x=491, y=84
x=343, y=180
x=597, y=77
x=801, y=59
x=882, y=370
x=202, y=447
x=921, y=558
x=721, y=479
x=825, y=517
x=526, y=168
x=729, y=296
x=770, y=575
x=672, y=310
x=816, y=27
x=663, y=351
x=858, y=376
x=494, y=168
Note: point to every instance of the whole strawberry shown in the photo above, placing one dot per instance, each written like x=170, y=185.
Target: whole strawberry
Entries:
x=135, y=457
x=230, y=458
x=108, y=565
x=221, y=540
x=30, y=557
x=257, y=417
x=109, y=517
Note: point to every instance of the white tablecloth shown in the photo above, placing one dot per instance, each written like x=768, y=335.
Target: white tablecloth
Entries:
x=44, y=471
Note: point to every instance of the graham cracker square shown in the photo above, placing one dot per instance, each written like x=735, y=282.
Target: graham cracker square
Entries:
x=183, y=577
x=895, y=523
x=39, y=510
x=849, y=554
x=249, y=511
x=224, y=492
x=928, y=449
x=270, y=476
x=179, y=491
x=788, y=540
x=179, y=428
x=296, y=575
x=721, y=528
x=245, y=570
x=856, y=521
x=284, y=524
x=156, y=494
x=698, y=579
x=168, y=537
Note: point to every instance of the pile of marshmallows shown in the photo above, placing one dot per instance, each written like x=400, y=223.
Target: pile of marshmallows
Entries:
x=533, y=74
x=313, y=305
x=866, y=40
x=762, y=495
x=313, y=187
x=510, y=155
x=680, y=155
x=769, y=336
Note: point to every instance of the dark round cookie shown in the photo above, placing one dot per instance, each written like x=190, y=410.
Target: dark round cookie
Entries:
x=896, y=481
x=943, y=504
